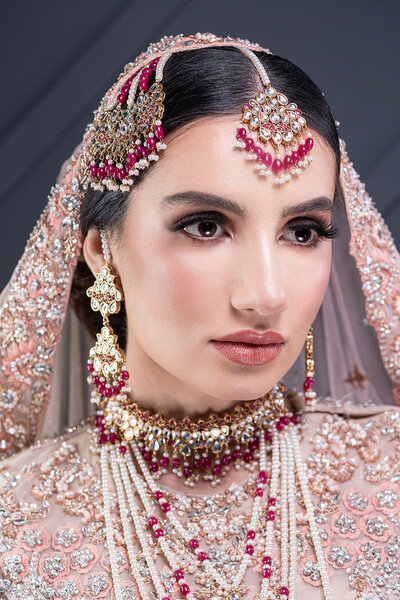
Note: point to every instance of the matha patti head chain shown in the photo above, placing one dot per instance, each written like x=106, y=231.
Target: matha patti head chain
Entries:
x=130, y=135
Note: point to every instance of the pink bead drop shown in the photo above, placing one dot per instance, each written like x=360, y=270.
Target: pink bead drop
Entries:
x=164, y=461
x=121, y=98
x=267, y=159
x=185, y=589
x=268, y=435
x=153, y=466
x=102, y=387
x=193, y=544
x=197, y=463
x=159, y=132
x=241, y=133
x=115, y=390
x=258, y=151
x=178, y=574
x=249, y=143
x=146, y=151
x=159, y=532
x=295, y=157
x=147, y=71
x=277, y=165
x=294, y=419
x=251, y=534
x=90, y=367
x=302, y=150
x=284, y=591
x=102, y=438
x=143, y=85
x=272, y=501
x=166, y=598
x=108, y=393
x=112, y=437
x=237, y=454
x=262, y=477
x=226, y=459
x=147, y=455
x=176, y=463
x=248, y=457
x=267, y=560
x=188, y=472
x=266, y=573
x=93, y=170
x=152, y=521
x=96, y=380
x=309, y=143
x=158, y=495
x=151, y=143
x=280, y=426
x=249, y=549
x=271, y=515
x=154, y=63
x=217, y=469
x=206, y=462
x=285, y=420
x=122, y=449
x=202, y=556
x=309, y=382
x=165, y=507
x=253, y=445
x=287, y=161
x=259, y=492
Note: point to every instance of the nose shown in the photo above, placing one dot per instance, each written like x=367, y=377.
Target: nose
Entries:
x=259, y=284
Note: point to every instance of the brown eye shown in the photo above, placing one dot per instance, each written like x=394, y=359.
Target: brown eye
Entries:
x=304, y=234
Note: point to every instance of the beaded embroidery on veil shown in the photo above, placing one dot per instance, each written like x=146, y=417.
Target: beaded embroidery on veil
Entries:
x=44, y=346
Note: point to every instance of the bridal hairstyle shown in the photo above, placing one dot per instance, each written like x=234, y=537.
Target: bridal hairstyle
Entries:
x=208, y=82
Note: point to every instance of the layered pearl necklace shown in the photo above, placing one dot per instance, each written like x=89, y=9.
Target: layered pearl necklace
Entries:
x=133, y=480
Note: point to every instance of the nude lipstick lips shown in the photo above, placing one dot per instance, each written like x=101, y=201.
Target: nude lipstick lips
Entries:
x=248, y=347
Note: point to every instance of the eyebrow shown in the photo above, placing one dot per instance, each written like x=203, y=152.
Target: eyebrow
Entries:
x=194, y=198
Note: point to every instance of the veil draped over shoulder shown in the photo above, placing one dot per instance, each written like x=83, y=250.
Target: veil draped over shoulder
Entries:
x=44, y=347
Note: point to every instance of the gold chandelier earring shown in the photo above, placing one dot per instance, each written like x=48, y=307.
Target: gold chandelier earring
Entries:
x=308, y=385
x=106, y=358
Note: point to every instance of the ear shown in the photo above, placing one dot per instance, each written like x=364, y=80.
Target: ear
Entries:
x=93, y=251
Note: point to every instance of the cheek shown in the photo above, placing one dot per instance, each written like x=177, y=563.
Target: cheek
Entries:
x=312, y=283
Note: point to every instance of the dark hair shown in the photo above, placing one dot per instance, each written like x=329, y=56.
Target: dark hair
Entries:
x=202, y=83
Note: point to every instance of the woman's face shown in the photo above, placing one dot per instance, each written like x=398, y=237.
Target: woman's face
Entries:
x=209, y=248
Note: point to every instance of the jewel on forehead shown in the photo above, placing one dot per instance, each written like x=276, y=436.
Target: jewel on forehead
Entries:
x=275, y=133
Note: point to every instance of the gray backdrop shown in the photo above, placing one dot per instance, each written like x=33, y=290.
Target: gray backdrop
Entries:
x=58, y=57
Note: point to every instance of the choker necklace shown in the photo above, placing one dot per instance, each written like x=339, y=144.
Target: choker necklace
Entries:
x=191, y=449
x=123, y=457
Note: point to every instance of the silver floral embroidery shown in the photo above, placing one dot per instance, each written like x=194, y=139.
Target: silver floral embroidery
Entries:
x=13, y=566
x=65, y=537
x=96, y=583
x=387, y=498
x=339, y=555
x=53, y=565
x=32, y=537
x=371, y=551
x=81, y=558
x=346, y=524
x=311, y=570
x=376, y=526
x=67, y=590
x=357, y=501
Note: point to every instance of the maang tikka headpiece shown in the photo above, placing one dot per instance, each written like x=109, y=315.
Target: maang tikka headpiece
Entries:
x=279, y=125
x=129, y=134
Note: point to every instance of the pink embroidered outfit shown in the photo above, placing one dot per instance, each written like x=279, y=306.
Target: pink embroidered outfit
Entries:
x=52, y=523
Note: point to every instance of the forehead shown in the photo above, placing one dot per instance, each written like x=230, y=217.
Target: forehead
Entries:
x=203, y=157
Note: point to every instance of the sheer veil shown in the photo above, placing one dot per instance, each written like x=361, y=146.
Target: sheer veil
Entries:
x=44, y=347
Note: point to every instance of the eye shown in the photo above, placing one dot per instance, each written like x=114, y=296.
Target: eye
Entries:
x=202, y=226
x=310, y=233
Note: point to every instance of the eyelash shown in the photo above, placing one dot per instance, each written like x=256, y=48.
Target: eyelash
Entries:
x=323, y=231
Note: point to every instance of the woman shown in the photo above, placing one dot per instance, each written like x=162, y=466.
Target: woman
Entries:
x=204, y=198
